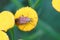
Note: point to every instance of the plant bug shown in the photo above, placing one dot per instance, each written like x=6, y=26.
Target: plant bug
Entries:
x=23, y=20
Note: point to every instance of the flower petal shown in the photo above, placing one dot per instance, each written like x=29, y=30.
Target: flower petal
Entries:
x=30, y=13
x=56, y=4
x=3, y=36
x=6, y=20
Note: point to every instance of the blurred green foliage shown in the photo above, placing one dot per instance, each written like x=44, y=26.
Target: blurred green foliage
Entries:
x=48, y=27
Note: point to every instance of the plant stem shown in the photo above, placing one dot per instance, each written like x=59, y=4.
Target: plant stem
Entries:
x=36, y=3
x=12, y=34
x=18, y=4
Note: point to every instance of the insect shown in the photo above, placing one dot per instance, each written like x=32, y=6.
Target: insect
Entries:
x=23, y=20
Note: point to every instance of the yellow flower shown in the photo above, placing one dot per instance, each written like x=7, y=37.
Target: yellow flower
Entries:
x=26, y=18
x=56, y=4
x=3, y=36
x=6, y=20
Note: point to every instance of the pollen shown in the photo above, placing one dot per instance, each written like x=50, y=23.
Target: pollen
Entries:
x=27, y=18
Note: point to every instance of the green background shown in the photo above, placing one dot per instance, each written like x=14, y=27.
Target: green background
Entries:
x=48, y=27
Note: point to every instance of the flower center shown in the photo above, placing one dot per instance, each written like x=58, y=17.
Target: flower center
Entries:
x=22, y=20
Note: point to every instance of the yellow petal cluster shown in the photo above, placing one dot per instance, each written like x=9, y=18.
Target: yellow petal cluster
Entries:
x=56, y=4
x=6, y=20
x=3, y=36
x=30, y=13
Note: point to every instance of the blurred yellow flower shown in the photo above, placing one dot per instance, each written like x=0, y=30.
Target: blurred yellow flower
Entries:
x=56, y=4
x=26, y=18
x=6, y=20
x=3, y=36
